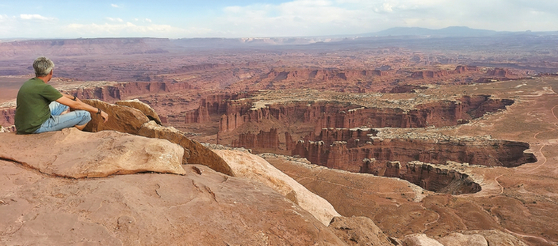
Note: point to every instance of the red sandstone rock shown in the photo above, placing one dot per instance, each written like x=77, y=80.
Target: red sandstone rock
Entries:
x=195, y=153
x=121, y=118
x=496, y=237
x=419, y=240
x=120, y=91
x=458, y=239
x=340, y=115
x=255, y=168
x=347, y=149
x=76, y=154
x=442, y=73
x=263, y=140
x=205, y=208
x=143, y=107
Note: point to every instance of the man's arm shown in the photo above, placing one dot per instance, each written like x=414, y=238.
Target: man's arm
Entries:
x=68, y=101
x=74, y=98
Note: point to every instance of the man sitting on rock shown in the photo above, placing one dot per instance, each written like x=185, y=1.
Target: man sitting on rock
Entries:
x=41, y=108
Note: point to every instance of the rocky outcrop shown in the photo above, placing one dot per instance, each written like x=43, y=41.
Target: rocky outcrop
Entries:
x=133, y=121
x=121, y=118
x=257, y=169
x=499, y=72
x=76, y=154
x=195, y=153
x=143, y=107
x=202, y=207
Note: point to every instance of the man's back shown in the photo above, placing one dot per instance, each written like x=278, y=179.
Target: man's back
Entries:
x=32, y=109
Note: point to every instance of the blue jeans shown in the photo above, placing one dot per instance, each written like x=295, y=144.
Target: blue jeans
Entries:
x=58, y=122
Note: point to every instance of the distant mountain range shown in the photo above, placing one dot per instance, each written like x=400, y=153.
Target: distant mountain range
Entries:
x=452, y=31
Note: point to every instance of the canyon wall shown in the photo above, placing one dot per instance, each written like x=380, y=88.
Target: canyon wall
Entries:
x=345, y=115
x=111, y=93
x=348, y=153
x=264, y=140
x=323, y=74
x=86, y=46
x=425, y=74
x=218, y=104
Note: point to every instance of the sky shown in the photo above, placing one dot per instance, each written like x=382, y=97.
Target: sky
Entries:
x=267, y=18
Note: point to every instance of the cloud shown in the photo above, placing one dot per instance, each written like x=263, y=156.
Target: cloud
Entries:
x=295, y=18
x=114, y=19
x=129, y=29
x=301, y=18
x=34, y=17
x=327, y=17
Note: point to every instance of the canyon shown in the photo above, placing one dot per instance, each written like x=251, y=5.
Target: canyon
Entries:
x=416, y=138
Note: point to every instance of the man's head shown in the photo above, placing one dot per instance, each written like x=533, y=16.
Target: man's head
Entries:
x=43, y=66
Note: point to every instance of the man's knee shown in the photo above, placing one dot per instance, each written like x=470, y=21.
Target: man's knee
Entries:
x=85, y=117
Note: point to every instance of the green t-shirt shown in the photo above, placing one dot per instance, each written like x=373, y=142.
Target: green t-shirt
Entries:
x=32, y=110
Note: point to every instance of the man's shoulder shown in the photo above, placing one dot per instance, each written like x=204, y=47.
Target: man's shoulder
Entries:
x=34, y=82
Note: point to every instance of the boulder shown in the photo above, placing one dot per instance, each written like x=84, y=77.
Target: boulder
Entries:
x=419, y=240
x=143, y=107
x=208, y=208
x=255, y=168
x=496, y=237
x=130, y=120
x=458, y=239
x=359, y=231
x=121, y=118
x=76, y=154
x=194, y=151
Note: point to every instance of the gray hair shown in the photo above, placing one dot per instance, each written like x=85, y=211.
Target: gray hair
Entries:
x=42, y=66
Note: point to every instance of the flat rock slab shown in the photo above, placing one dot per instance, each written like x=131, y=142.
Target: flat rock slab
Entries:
x=76, y=154
x=202, y=207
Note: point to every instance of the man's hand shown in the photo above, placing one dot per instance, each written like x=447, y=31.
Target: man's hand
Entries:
x=104, y=116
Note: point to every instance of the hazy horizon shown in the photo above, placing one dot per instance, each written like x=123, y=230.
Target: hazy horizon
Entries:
x=269, y=18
